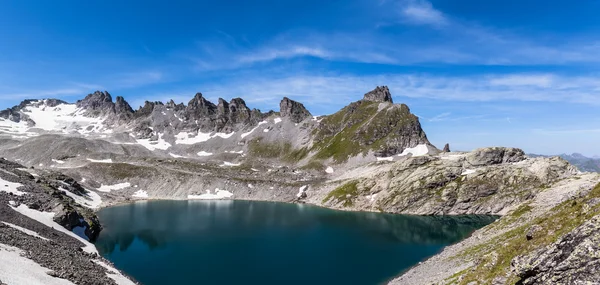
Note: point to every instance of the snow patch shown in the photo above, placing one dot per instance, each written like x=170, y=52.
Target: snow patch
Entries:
x=46, y=218
x=188, y=138
x=26, y=231
x=16, y=269
x=219, y=194
x=248, y=133
x=389, y=158
x=329, y=169
x=140, y=194
x=10, y=187
x=418, y=150
x=108, y=188
x=468, y=171
x=114, y=274
x=250, y=186
x=154, y=145
x=204, y=153
x=277, y=120
x=300, y=191
x=226, y=163
x=100, y=160
x=372, y=197
x=231, y=151
x=58, y=161
x=91, y=200
x=175, y=155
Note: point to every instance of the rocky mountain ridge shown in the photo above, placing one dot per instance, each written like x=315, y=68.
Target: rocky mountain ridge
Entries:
x=372, y=155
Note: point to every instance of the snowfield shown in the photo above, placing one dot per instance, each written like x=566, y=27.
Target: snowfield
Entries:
x=16, y=269
x=92, y=200
x=11, y=187
x=108, y=188
x=251, y=131
x=219, y=194
x=46, y=218
x=418, y=150
x=204, y=153
x=114, y=274
x=100, y=160
x=140, y=194
x=154, y=145
x=26, y=231
x=188, y=138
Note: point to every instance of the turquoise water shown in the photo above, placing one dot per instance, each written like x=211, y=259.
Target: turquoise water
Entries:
x=244, y=242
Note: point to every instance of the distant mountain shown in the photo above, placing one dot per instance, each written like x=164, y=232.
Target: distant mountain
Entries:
x=584, y=163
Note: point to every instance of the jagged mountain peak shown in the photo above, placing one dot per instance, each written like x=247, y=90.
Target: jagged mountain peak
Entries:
x=379, y=94
x=293, y=110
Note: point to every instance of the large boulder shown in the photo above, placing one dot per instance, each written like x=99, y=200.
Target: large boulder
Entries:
x=495, y=155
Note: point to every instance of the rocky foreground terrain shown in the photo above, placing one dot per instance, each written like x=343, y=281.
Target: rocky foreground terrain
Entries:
x=372, y=155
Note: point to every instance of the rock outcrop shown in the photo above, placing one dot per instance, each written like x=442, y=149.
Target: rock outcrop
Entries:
x=380, y=94
x=571, y=260
x=446, y=148
x=295, y=111
x=495, y=155
x=427, y=185
x=99, y=102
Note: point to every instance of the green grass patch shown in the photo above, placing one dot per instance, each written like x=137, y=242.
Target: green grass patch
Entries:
x=556, y=223
x=344, y=194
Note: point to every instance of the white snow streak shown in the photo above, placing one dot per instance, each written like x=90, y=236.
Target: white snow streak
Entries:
x=24, y=230
x=108, y=188
x=301, y=190
x=329, y=169
x=204, y=153
x=140, y=194
x=219, y=194
x=19, y=270
x=100, y=160
x=114, y=274
x=10, y=187
x=46, y=218
x=91, y=200
x=226, y=163
x=248, y=133
x=389, y=158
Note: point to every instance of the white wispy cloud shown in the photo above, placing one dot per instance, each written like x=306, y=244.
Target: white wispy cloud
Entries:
x=454, y=41
x=421, y=12
x=333, y=89
x=291, y=52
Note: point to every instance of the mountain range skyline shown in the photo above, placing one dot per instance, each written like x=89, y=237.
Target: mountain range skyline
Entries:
x=509, y=73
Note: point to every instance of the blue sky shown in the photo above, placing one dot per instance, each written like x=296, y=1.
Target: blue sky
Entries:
x=478, y=73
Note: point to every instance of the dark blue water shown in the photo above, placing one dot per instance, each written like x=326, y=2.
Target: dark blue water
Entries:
x=243, y=242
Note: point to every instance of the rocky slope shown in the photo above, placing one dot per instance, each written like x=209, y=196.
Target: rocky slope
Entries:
x=46, y=225
x=372, y=155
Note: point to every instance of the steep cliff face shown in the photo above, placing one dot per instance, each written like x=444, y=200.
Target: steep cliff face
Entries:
x=295, y=111
x=373, y=124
